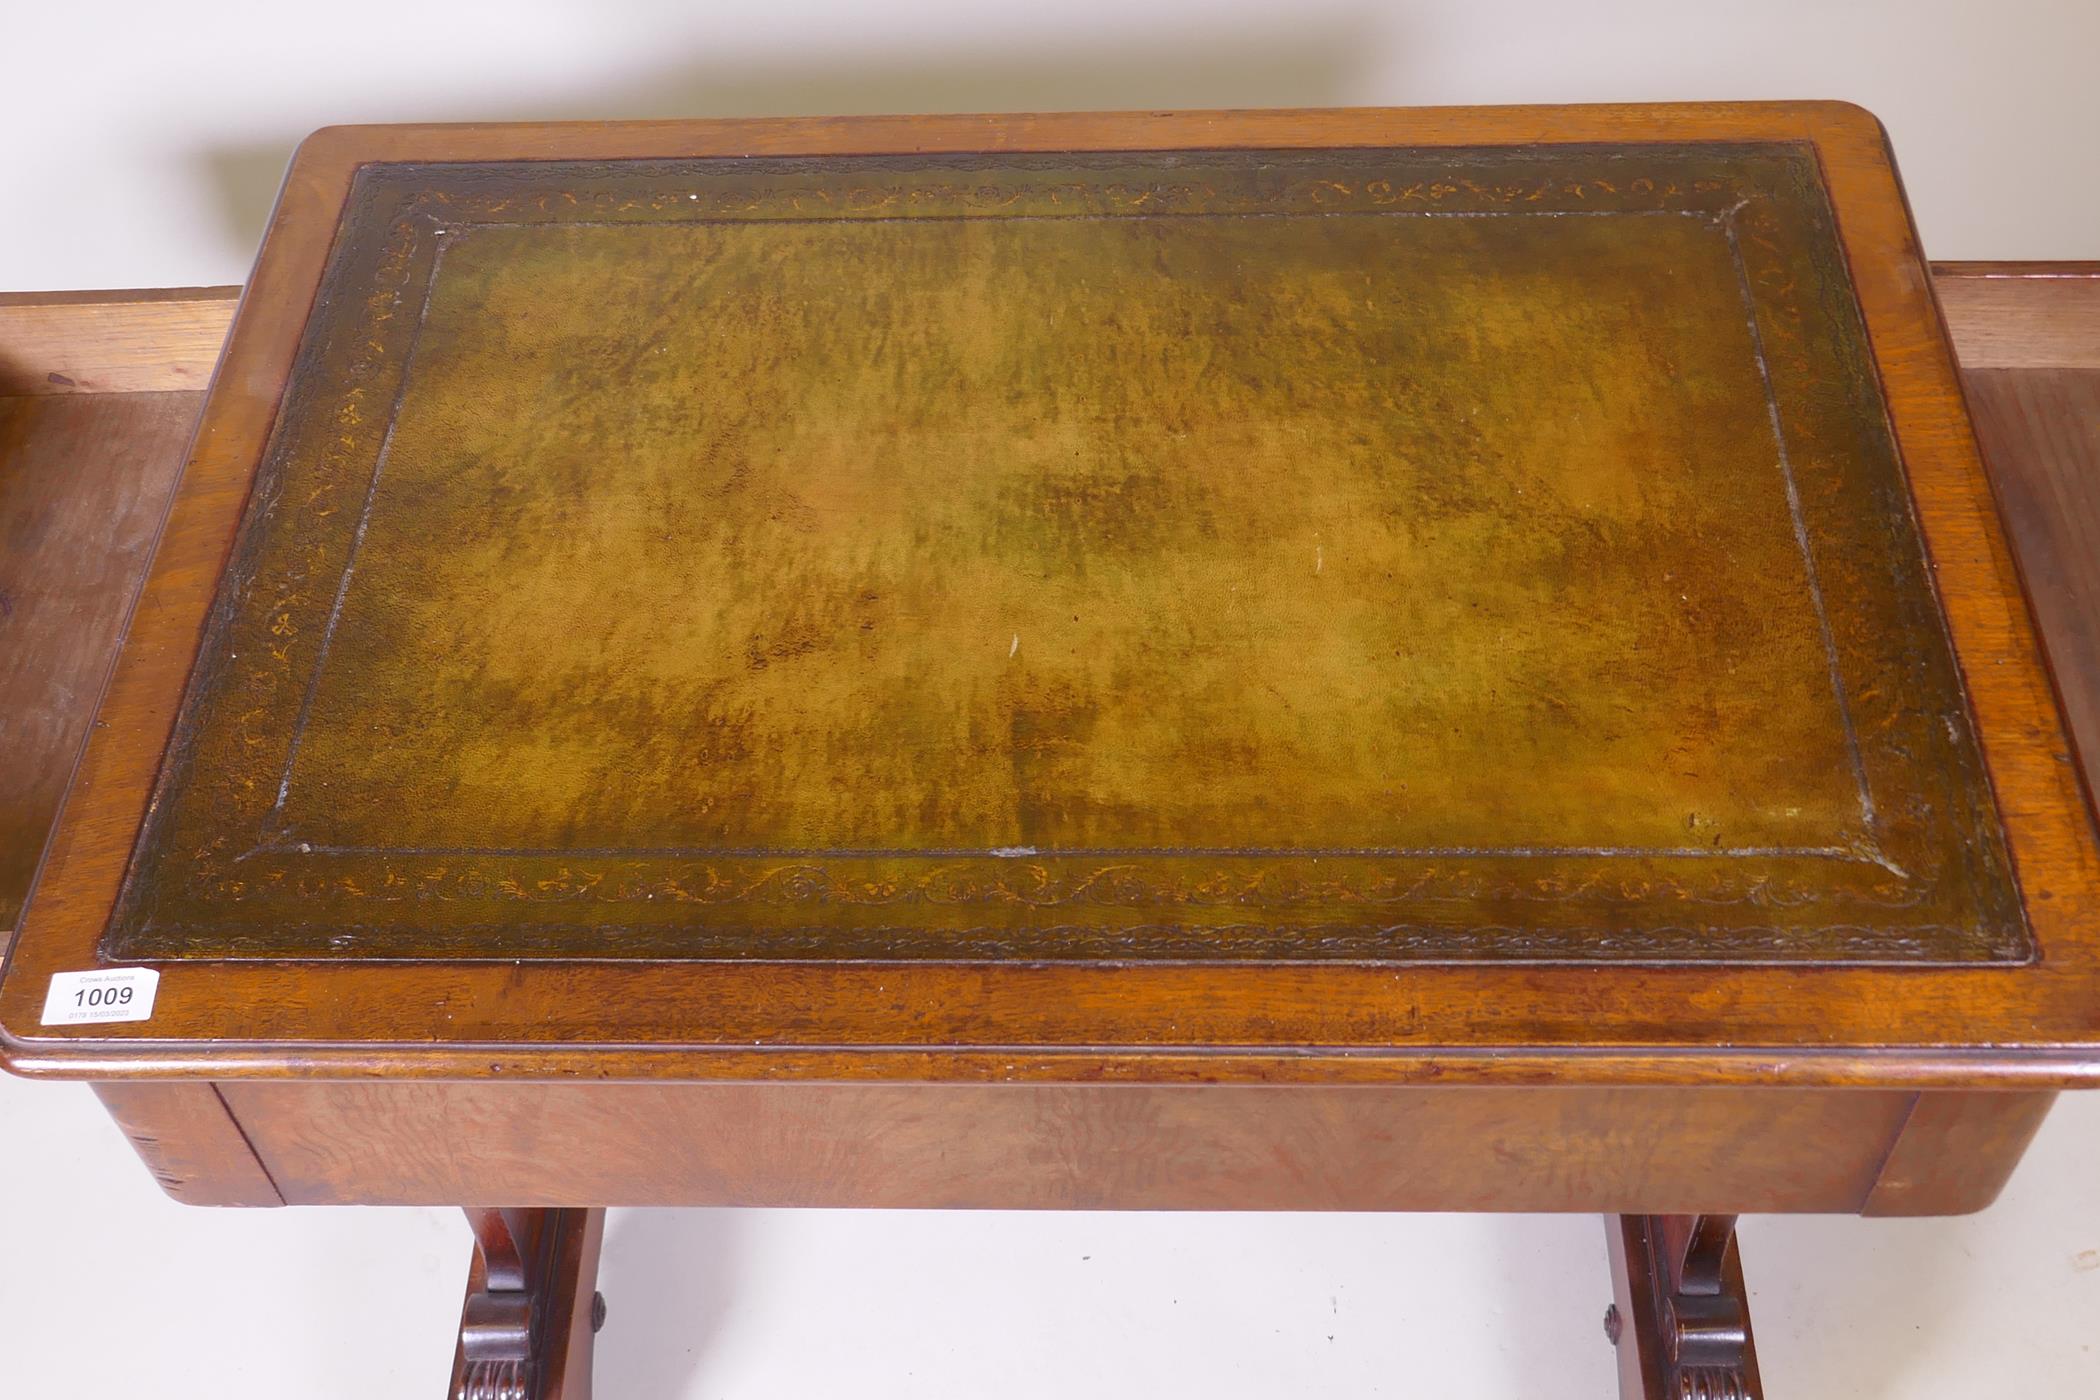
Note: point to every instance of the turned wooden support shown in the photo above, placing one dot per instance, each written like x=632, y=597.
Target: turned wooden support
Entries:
x=532, y=1306
x=1680, y=1316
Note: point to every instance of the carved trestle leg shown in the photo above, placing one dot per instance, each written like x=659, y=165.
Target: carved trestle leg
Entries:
x=1680, y=1317
x=532, y=1306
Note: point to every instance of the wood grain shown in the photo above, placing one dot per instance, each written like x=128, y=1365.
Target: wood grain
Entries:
x=112, y=342
x=2040, y=431
x=84, y=483
x=1094, y=1147
x=2022, y=315
x=188, y=1139
x=1932, y=1168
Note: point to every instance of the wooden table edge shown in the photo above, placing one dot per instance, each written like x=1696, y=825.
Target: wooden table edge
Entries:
x=1678, y=1067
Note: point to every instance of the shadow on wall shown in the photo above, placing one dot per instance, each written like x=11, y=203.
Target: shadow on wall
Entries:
x=1314, y=65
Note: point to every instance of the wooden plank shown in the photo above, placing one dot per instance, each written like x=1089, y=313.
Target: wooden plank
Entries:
x=112, y=342
x=2022, y=315
x=2040, y=432
x=84, y=483
x=1082, y=1146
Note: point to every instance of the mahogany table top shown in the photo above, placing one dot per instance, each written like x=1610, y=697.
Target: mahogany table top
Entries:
x=1374, y=594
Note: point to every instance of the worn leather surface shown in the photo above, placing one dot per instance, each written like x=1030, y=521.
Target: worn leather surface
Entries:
x=1337, y=554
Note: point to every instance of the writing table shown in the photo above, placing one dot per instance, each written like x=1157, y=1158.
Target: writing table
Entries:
x=1439, y=659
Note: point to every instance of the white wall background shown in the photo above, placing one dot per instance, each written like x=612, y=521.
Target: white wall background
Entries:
x=146, y=139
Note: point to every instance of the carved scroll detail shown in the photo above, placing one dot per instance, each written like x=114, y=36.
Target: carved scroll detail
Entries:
x=1681, y=1316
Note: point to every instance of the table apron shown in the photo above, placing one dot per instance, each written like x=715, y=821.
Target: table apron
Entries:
x=1080, y=1146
